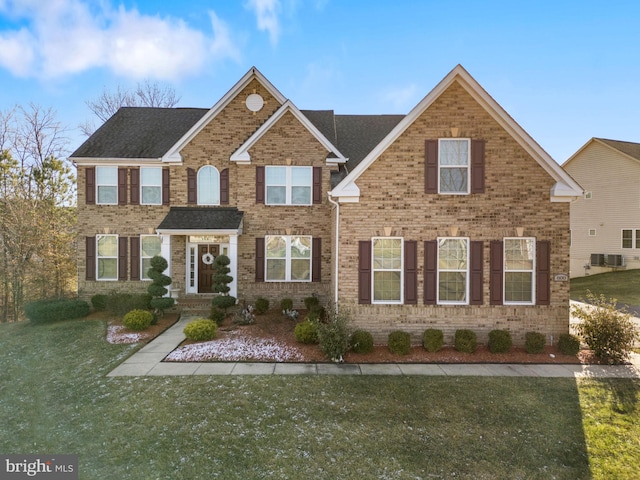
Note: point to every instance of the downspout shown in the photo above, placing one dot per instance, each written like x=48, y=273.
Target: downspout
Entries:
x=336, y=250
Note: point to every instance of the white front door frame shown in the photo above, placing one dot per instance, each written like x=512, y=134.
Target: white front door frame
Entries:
x=191, y=262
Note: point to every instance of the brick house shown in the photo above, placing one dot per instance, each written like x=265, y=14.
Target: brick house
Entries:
x=451, y=216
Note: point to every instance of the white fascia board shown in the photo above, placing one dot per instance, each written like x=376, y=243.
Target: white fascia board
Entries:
x=241, y=155
x=179, y=232
x=561, y=192
x=173, y=155
x=103, y=162
x=349, y=193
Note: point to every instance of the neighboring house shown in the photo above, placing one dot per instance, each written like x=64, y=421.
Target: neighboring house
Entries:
x=449, y=217
x=605, y=222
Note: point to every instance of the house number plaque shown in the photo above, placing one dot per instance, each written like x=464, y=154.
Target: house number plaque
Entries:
x=561, y=277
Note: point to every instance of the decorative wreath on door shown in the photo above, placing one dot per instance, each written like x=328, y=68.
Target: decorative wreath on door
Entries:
x=207, y=259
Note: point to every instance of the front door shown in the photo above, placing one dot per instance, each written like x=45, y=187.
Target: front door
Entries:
x=206, y=255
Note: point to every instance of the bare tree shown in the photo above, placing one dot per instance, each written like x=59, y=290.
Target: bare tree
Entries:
x=146, y=94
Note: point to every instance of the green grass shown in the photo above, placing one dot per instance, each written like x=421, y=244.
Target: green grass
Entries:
x=623, y=285
x=55, y=398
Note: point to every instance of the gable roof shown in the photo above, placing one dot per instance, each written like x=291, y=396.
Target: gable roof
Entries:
x=629, y=149
x=138, y=132
x=565, y=189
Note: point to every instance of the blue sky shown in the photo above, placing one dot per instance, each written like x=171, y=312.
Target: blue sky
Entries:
x=566, y=71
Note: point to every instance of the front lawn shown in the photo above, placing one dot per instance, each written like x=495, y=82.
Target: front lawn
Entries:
x=623, y=285
x=55, y=398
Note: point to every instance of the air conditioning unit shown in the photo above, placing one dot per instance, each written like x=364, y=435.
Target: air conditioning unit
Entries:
x=614, y=260
x=597, y=259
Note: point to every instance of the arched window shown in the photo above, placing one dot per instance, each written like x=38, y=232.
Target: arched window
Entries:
x=208, y=186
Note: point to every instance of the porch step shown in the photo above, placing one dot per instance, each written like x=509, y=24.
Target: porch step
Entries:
x=195, y=305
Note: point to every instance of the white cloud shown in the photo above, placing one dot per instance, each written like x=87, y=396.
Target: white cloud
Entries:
x=266, y=12
x=69, y=36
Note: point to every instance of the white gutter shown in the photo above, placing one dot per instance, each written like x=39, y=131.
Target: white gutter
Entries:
x=337, y=256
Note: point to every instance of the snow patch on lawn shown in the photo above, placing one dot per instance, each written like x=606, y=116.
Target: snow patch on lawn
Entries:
x=117, y=334
x=236, y=347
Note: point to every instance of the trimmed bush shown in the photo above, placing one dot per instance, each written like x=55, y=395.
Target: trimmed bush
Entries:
x=465, y=341
x=311, y=302
x=569, y=344
x=399, y=342
x=432, y=339
x=262, y=306
x=534, y=342
x=46, y=311
x=316, y=314
x=158, y=289
x=223, y=302
x=137, y=319
x=201, y=330
x=361, y=342
x=500, y=341
x=333, y=337
x=306, y=332
x=286, y=304
x=121, y=303
x=99, y=302
x=217, y=315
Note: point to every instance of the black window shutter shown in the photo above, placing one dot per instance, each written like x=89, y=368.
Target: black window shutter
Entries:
x=260, y=259
x=122, y=186
x=134, y=186
x=90, y=186
x=135, y=257
x=123, y=246
x=192, y=188
x=316, y=259
x=90, y=255
x=260, y=184
x=477, y=166
x=166, y=189
x=543, y=272
x=364, y=272
x=496, y=272
x=224, y=187
x=317, y=185
x=430, y=272
x=410, y=272
x=477, y=268
x=431, y=166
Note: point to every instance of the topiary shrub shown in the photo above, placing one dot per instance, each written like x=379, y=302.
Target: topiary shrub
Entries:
x=306, y=332
x=99, y=302
x=605, y=328
x=534, y=342
x=262, y=306
x=201, y=330
x=311, y=302
x=333, y=336
x=316, y=314
x=160, y=281
x=465, y=341
x=120, y=303
x=432, y=339
x=361, y=342
x=569, y=344
x=223, y=302
x=500, y=341
x=46, y=311
x=286, y=304
x=399, y=342
x=217, y=315
x=137, y=319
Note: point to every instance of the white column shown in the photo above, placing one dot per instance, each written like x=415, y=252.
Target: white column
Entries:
x=165, y=251
x=233, y=256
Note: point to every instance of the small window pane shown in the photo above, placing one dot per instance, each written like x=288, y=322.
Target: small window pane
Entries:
x=637, y=238
x=301, y=176
x=107, y=175
x=300, y=269
x=276, y=269
x=518, y=286
x=107, y=194
x=452, y=254
x=452, y=286
x=151, y=176
x=150, y=246
x=301, y=195
x=276, y=175
x=386, y=286
x=627, y=238
x=107, y=268
x=276, y=247
x=301, y=247
x=276, y=195
x=519, y=254
x=453, y=180
x=108, y=246
x=454, y=152
x=152, y=195
x=387, y=253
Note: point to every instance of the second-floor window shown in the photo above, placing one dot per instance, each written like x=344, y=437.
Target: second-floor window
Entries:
x=208, y=186
x=630, y=238
x=151, y=185
x=454, y=165
x=107, y=185
x=288, y=185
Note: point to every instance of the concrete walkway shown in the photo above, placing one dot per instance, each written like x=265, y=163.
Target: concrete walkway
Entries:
x=148, y=361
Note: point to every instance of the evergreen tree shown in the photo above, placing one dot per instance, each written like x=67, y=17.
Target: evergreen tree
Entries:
x=157, y=288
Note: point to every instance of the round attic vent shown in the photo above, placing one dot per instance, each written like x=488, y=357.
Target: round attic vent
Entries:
x=254, y=102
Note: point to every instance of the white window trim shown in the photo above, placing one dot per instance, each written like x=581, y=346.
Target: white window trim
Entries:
x=143, y=274
x=592, y=230
x=99, y=257
x=532, y=271
x=374, y=270
x=288, y=186
x=634, y=238
x=287, y=259
x=466, y=296
x=468, y=166
x=98, y=185
x=142, y=184
x=199, y=186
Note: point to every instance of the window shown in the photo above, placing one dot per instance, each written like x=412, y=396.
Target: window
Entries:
x=453, y=270
x=519, y=267
x=289, y=185
x=387, y=270
x=107, y=257
x=592, y=232
x=630, y=238
x=454, y=162
x=208, y=186
x=107, y=185
x=149, y=248
x=151, y=185
x=288, y=258
x=588, y=195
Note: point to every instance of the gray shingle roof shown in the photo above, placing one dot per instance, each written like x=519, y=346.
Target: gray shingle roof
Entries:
x=629, y=148
x=139, y=132
x=202, y=218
